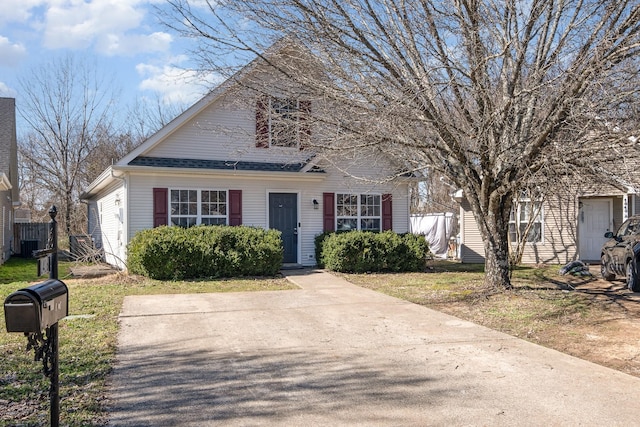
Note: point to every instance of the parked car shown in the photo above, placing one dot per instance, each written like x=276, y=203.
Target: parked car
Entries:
x=620, y=254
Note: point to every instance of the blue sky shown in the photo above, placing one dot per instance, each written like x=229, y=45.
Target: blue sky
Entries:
x=122, y=37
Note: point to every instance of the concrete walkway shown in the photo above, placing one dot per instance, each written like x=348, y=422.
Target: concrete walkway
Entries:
x=334, y=354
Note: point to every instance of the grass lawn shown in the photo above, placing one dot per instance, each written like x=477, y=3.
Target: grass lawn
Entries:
x=87, y=342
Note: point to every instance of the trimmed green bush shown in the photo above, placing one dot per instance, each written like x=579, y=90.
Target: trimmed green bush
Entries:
x=319, y=243
x=361, y=252
x=205, y=251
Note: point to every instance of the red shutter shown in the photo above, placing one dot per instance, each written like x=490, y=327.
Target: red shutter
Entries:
x=262, y=122
x=160, y=207
x=328, y=212
x=235, y=207
x=387, y=212
x=305, y=123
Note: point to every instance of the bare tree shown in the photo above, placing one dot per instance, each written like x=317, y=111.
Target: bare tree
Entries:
x=496, y=96
x=67, y=106
x=149, y=114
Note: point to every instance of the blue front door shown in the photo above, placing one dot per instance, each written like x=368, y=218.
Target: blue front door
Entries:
x=283, y=216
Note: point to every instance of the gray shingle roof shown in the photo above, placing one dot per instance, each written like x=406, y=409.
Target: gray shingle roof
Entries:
x=167, y=162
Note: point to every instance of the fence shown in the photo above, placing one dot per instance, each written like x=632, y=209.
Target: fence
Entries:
x=28, y=237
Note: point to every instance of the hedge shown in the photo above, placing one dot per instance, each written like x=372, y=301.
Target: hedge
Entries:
x=205, y=252
x=363, y=251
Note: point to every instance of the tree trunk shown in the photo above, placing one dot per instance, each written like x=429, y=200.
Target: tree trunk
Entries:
x=496, y=263
x=493, y=223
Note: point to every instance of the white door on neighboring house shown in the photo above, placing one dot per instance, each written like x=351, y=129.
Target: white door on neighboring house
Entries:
x=594, y=219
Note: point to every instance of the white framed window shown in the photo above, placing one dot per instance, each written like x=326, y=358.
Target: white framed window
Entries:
x=284, y=118
x=358, y=212
x=526, y=213
x=213, y=205
x=282, y=122
x=194, y=207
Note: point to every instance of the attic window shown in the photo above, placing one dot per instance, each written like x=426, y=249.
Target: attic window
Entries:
x=282, y=122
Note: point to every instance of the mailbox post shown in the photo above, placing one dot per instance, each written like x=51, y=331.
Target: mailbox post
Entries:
x=39, y=307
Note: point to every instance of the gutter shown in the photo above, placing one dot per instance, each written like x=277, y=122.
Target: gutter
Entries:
x=278, y=176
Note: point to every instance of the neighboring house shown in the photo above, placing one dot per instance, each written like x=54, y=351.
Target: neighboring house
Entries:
x=569, y=224
x=228, y=161
x=9, y=195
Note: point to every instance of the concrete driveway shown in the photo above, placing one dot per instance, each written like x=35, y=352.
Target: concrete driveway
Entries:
x=334, y=354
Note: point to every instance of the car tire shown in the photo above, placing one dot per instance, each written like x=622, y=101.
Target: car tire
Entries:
x=604, y=271
x=633, y=281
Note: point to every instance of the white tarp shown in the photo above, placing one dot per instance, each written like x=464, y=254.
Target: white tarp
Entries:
x=437, y=229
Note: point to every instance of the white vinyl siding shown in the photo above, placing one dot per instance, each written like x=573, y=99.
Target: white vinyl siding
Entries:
x=107, y=224
x=558, y=228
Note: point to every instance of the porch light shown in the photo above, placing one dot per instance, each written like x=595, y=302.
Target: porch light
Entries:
x=315, y=204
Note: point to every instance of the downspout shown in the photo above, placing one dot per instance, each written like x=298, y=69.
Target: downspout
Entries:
x=125, y=207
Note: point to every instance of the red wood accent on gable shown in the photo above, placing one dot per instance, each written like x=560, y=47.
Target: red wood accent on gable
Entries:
x=387, y=212
x=235, y=207
x=328, y=212
x=262, y=122
x=160, y=207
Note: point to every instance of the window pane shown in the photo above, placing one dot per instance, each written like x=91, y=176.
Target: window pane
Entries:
x=347, y=205
x=370, y=205
x=214, y=205
x=345, y=224
x=535, y=232
x=175, y=196
x=214, y=221
x=512, y=233
x=370, y=224
x=284, y=122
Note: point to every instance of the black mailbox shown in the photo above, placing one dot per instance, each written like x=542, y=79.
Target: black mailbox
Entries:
x=37, y=307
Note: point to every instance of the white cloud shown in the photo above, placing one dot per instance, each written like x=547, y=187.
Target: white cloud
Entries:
x=11, y=54
x=175, y=85
x=112, y=27
x=17, y=11
x=130, y=45
x=6, y=91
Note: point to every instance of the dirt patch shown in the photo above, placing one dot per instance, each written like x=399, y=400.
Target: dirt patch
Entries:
x=92, y=271
x=611, y=337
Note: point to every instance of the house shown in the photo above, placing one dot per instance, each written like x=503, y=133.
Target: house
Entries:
x=9, y=191
x=245, y=156
x=568, y=224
